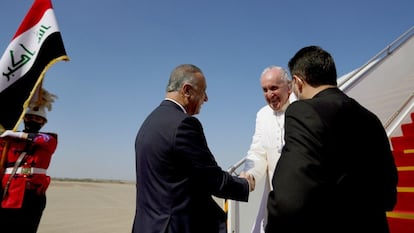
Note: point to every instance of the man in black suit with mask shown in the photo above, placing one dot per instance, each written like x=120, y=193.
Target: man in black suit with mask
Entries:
x=336, y=172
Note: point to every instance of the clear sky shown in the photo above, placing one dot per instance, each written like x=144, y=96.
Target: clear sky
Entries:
x=122, y=53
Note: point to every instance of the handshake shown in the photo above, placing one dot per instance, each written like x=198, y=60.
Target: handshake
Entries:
x=250, y=178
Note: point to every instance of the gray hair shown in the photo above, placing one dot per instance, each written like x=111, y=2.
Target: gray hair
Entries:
x=285, y=74
x=181, y=75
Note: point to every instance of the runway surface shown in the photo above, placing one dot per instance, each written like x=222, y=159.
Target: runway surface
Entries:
x=88, y=207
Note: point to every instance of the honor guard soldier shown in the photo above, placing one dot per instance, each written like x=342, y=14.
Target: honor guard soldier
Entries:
x=24, y=182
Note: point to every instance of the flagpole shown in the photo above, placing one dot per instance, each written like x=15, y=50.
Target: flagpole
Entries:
x=3, y=162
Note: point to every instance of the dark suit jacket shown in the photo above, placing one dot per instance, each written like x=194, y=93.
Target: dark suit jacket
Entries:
x=177, y=176
x=336, y=172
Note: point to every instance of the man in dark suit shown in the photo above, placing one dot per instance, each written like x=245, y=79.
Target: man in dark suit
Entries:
x=176, y=172
x=336, y=172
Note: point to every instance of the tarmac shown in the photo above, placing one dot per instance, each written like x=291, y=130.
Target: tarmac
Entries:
x=85, y=206
x=88, y=207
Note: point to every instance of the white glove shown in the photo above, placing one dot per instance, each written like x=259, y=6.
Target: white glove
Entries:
x=11, y=133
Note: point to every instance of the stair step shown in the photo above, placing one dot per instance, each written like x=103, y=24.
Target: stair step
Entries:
x=401, y=222
x=401, y=143
x=401, y=219
x=405, y=197
x=407, y=129
x=405, y=178
x=403, y=158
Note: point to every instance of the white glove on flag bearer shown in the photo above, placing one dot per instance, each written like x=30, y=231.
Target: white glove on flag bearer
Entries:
x=11, y=133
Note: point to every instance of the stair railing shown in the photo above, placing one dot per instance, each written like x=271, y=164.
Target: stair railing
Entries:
x=397, y=118
x=352, y=79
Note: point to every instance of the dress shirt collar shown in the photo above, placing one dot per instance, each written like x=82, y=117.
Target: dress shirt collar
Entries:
x=177, y=104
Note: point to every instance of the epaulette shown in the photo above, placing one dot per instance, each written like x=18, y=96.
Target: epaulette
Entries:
x=51, y=134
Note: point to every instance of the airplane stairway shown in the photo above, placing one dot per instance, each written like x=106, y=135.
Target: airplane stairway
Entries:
x=401, y=219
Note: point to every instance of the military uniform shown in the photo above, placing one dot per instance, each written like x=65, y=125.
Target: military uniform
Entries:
x=24, y=185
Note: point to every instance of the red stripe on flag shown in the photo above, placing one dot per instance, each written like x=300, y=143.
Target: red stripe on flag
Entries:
x=34, y=15
x=39, y=54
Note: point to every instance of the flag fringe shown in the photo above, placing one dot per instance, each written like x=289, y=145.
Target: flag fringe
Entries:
x=38, y=82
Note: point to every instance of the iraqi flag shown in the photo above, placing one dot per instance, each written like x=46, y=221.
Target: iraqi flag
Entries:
x=35, y=47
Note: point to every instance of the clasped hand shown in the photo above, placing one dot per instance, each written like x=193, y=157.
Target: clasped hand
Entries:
x=250, y=178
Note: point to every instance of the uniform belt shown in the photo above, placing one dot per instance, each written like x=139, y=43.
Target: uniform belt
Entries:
x=26, y=170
